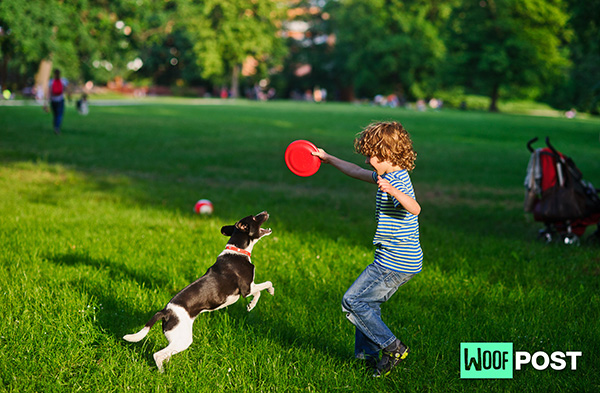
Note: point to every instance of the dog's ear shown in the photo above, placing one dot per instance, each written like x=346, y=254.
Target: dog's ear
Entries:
x=242, y=226
x=227, y=230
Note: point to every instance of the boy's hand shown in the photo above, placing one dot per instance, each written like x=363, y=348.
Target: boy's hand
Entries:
x=384, y=185
x=322, y=155
x=407, y=202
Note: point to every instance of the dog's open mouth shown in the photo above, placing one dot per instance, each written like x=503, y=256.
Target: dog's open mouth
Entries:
x=264, y=231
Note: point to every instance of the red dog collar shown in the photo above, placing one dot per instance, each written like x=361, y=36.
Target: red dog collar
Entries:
x=234, y=248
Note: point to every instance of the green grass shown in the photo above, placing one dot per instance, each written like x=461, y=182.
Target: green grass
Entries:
x=97, y=233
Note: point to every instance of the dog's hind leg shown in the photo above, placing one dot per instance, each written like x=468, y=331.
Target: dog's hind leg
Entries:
x=178, y=332
x=255, y=290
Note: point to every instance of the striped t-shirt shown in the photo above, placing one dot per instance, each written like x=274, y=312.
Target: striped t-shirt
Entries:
x=397, y=235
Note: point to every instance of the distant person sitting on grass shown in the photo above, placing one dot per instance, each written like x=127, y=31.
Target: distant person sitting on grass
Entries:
x=82, y=105
x=56, y=95
x=398, y=255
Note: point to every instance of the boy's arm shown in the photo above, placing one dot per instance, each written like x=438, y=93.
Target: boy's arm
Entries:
x=408, y=202
x=345, y=167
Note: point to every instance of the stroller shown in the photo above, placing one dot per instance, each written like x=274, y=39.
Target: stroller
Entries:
x=558, y=196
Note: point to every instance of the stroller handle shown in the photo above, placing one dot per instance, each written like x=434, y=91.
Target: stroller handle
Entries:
x=532, y=141
x=553, y=149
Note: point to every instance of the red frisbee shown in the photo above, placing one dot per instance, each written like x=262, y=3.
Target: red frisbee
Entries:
x=299, y=158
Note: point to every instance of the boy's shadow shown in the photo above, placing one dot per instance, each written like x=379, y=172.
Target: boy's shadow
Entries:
x=282, y=330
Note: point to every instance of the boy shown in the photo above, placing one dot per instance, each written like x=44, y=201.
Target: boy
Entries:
x=398, y=255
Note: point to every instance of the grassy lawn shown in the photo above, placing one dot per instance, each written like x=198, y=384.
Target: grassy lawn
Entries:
x=97, y=233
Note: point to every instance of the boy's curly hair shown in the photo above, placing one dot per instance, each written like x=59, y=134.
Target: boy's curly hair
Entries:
x=388, y=141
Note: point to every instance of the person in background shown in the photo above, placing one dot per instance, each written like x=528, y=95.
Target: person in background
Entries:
x=82, y=105
x=56, y=98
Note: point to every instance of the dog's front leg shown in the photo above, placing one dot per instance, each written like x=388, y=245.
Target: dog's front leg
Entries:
x=255, y=290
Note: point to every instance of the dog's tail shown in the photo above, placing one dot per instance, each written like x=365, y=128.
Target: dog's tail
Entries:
x=142, y=333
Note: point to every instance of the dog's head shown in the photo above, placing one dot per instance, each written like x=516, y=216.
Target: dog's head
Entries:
x=247, y=231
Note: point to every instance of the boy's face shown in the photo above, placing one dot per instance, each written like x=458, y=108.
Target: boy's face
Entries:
x=381, y=167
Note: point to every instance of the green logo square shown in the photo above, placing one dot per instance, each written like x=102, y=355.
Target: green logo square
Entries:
x=486, y=360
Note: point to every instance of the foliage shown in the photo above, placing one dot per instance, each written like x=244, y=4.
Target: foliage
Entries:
x=312, y=52
x=80, y=37
x=169, y=59
x=97, y=39
x=508, y=43
x=582, y=88
x=227, y=33
x=389, y=45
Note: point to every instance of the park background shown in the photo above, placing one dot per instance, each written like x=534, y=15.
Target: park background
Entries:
x=97, y=229
x=451, y=50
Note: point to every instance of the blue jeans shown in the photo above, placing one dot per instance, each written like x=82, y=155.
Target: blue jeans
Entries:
x=362, y=302
x=58, y=109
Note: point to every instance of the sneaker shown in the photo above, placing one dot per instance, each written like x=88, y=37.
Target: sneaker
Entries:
x=391, y=356
x=371, y=362
x=368, y=362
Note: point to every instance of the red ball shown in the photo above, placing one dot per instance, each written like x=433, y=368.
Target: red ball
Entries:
x=203, y=206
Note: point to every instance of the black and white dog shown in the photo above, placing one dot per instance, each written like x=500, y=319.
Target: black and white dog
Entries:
x=230, y=277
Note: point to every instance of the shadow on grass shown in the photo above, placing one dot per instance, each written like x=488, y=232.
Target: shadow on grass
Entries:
x=290, y=334
x=116, y=317
x=116, y=271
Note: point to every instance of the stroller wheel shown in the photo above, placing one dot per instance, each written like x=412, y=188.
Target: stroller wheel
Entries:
x=571, y=240
x=545, y=235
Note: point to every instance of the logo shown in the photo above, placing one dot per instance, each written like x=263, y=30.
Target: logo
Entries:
x=486, y=360
x=498, y=360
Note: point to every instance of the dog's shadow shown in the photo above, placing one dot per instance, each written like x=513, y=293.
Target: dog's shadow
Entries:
x=115, y=271
x=118, y=318
x=113, y=314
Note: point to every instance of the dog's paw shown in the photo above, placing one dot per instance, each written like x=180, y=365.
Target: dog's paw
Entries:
x=250, y=306
x=271, y=290
x=159, y=362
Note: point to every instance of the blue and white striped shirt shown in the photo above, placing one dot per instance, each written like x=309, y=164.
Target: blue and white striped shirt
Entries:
x=397, y=236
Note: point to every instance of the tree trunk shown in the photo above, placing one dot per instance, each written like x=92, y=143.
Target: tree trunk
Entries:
x=42, y=78
x=494, y=97
x=346, y=93
x=235, y=81
x=399, y=89
x=4, y=71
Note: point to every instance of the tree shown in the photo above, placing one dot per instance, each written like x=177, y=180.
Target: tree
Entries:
x=80, y=37
x=310, y=61
x=582, y=89
x=27, y=32
x=226, y=32
x=495, y=44
x=386, y=46
x=168, y=59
